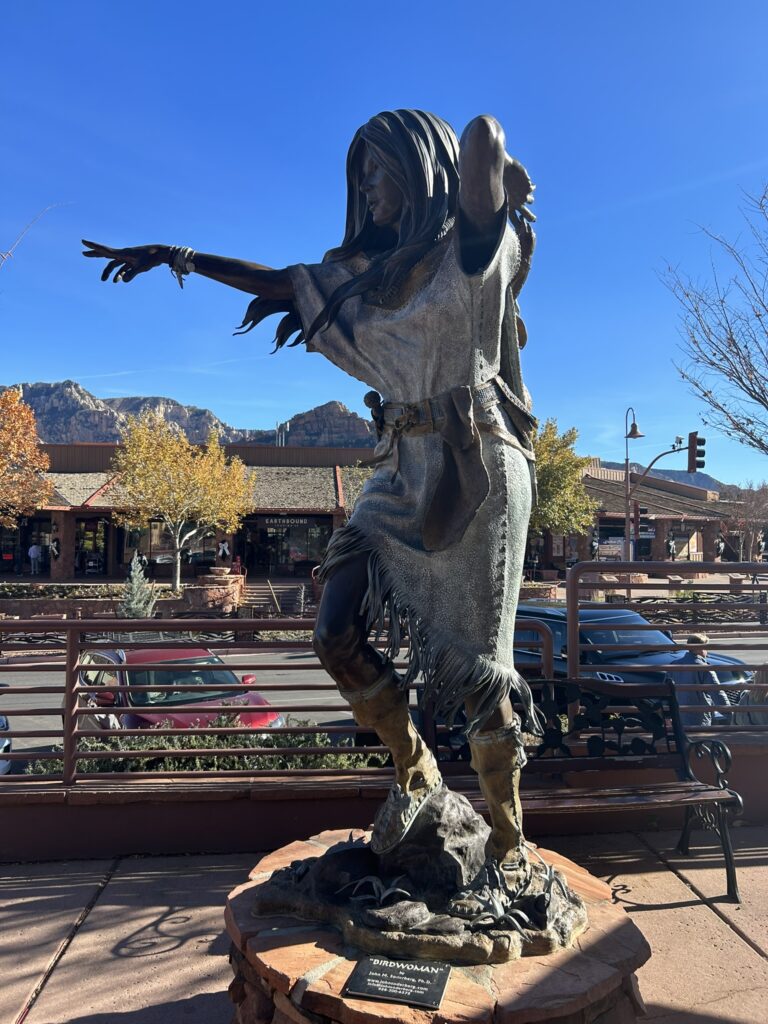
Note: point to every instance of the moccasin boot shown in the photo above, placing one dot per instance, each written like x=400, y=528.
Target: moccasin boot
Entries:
x=497, y=757
x=384, y=708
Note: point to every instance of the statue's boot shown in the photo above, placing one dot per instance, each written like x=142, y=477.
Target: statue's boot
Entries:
x=498, y=757
x=383, y=707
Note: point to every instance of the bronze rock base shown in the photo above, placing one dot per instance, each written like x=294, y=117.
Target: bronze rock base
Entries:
x=292, y=969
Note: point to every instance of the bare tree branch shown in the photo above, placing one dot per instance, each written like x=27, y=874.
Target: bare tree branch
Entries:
x=6, y=255
x=724, y=328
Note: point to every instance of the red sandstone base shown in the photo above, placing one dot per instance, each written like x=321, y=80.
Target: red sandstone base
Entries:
x=289, y=971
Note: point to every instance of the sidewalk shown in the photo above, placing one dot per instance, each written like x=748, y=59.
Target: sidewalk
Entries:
x=140, y=940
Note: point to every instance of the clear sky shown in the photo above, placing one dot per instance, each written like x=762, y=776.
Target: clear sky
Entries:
x=224, y=126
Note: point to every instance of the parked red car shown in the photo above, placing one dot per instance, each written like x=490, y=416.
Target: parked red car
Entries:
x=150, y=707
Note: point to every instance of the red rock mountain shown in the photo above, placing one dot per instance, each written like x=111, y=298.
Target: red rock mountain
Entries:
x=67, y=413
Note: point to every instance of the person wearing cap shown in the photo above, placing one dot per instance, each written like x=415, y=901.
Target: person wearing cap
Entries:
x=697, y=655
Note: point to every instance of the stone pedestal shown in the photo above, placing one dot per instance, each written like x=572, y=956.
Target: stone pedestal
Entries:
x=290, y=971
x=221, y=594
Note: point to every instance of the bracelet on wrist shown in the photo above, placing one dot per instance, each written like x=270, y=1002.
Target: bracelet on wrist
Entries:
x=181, y=262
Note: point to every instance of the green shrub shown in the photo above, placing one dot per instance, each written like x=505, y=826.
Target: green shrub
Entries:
x=341, y=754
x=138, y=598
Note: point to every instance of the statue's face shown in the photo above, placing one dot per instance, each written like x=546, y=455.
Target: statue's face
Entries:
x=385, y=200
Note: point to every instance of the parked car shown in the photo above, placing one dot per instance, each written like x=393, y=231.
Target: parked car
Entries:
x=5, y=746
x=148, y=708
x=614, y=629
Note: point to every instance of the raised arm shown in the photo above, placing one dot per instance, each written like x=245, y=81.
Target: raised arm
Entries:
x=493, y=184
x=482, y=155
x=253, y=278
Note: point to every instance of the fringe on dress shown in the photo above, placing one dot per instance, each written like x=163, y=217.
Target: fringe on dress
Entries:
x=449, y=674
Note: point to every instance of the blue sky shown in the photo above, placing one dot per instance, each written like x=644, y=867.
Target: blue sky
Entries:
x=225, y=127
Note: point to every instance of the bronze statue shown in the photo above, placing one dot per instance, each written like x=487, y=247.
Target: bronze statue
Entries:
x=419, y=301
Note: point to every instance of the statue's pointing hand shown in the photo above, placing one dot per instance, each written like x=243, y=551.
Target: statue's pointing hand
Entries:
x=125, y=264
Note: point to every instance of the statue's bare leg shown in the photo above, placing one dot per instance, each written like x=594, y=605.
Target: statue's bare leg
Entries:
x=368, y=681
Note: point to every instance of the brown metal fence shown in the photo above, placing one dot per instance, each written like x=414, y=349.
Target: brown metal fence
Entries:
x=731, y=602
x=733, y=605
x=73, y=698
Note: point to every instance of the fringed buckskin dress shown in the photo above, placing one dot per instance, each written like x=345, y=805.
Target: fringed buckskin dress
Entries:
x=444, y=516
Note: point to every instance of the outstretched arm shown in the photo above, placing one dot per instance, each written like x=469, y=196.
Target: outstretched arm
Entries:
x=491, y=182
x=253, y=278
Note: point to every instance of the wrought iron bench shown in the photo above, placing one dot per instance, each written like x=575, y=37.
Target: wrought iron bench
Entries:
x=634, y=730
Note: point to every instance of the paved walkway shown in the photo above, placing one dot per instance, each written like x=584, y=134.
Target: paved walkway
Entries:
x=139, y=940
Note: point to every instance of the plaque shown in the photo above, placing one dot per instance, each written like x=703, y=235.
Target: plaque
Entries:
x=414, y=982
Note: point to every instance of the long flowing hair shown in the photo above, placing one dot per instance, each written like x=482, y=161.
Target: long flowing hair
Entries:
x=420, y=153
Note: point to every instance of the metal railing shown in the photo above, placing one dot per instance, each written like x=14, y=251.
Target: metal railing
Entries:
x=736, y=606
x=77, y=700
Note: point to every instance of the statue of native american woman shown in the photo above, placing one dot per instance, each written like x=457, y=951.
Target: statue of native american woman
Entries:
x=420, y=302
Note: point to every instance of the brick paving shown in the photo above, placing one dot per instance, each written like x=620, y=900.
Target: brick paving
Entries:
x=140, y=940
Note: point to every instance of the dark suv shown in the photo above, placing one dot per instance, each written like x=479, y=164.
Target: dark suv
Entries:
x=613, y=630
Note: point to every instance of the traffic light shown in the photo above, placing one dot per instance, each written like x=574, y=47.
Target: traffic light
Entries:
x=696, y=451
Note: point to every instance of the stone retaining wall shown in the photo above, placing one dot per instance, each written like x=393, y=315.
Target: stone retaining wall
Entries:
x=76, y=607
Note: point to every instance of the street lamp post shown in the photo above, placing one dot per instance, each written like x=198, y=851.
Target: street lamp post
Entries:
x=630, y=433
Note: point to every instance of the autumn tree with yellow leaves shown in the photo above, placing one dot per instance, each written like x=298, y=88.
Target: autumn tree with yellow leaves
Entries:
x=23, y=486
x=190, y=489
x=563, y=503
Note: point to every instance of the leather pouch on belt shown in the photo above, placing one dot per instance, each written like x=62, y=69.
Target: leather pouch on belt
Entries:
x=464, y=484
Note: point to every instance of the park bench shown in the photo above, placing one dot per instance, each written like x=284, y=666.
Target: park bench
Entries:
x=622, y=747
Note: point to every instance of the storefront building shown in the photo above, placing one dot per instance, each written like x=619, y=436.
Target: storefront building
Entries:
x=300, y=496
x=298, y=501
x=671, y=521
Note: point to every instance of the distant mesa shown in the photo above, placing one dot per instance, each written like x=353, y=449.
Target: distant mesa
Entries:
x=66, y=414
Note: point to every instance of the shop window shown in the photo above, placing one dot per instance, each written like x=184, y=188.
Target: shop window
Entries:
x=9, y=549
x=160, y=543
x=135, y=540
x=202, y=550
x=91, y=546
x=159, y=547
x=284, y=545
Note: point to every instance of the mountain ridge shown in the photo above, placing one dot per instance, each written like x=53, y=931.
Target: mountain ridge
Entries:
x=67, y=413
x=679, y=476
